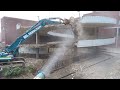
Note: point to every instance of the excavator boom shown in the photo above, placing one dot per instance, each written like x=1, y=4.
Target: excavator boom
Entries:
x=9, y=53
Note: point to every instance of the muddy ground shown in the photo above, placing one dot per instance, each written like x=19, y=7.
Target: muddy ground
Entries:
x=105, y=65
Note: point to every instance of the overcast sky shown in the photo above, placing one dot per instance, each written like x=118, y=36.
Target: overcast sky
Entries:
x=33, y=15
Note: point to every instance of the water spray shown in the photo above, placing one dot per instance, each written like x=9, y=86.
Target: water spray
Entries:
x=58, y=54
x=54, y=58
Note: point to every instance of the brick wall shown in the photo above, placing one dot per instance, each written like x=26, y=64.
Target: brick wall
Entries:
x=8, y=28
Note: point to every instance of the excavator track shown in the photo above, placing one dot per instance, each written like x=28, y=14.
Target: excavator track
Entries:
x=16, y=61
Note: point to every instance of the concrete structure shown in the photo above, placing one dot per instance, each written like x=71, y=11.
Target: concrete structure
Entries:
x=110, y=31
x=47, y=44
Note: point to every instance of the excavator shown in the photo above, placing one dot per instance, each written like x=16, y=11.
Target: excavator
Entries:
x=9, y=55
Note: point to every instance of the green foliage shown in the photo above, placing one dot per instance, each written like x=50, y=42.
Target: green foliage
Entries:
x=13, y=71
x=17, y=71
x=30, y=69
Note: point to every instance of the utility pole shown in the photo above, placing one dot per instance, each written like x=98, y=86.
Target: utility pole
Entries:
x=79, y=13
x=37, y=37
x=37, y=34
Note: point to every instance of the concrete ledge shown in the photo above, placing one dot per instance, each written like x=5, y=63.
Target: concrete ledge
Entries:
x=96, y=42
x=97, y=21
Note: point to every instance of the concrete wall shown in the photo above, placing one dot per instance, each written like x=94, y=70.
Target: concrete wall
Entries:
x=43, y=36
x=29, y=50
x=106, y=33
x=95, y=42
x=112, y=14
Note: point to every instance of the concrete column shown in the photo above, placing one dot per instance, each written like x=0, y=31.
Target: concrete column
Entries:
x=96, y=35
x=96, y=32
x=117, y=36
x=37, y=35
x=37, y=53
x=48, y=49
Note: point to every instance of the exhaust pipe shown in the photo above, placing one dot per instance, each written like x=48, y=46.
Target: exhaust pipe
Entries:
x=40, y=75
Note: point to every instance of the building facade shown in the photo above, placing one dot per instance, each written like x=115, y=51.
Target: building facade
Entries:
x=10, y=28
x=108, y=25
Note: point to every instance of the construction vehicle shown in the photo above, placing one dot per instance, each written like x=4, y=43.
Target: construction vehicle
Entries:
x=8, y=56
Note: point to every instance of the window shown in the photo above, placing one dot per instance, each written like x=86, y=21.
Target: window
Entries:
x=18, y=26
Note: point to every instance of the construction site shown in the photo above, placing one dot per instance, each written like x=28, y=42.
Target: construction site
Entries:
x=86, y=47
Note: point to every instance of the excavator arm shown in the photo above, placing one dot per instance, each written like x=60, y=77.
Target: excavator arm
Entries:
x=40, y=24
x=8, y=55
